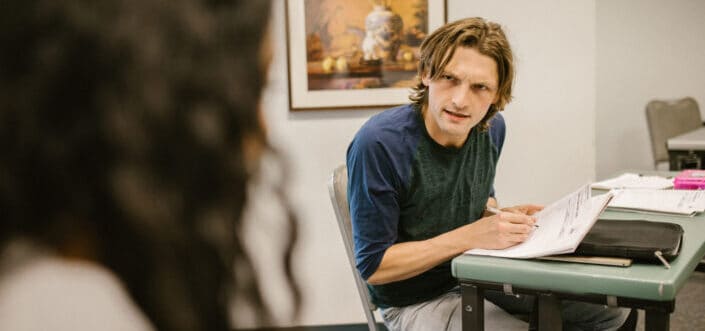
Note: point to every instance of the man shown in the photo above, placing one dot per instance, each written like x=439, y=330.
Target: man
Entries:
x=421, y=179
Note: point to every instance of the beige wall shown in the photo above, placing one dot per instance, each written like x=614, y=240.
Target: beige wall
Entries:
x=646, y=49
x=550, y=124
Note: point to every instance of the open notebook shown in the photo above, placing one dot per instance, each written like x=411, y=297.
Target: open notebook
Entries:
x=562, y=226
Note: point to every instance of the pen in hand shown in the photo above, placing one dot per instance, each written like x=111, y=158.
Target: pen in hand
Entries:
x=497, y=211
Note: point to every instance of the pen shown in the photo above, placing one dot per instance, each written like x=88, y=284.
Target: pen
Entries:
x=497, y=211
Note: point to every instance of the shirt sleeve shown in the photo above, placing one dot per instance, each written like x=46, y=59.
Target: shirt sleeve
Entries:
x=497, y=133
x=373, y=197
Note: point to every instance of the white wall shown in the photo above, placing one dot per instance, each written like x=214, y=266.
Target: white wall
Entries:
x=550, y=139
x=549, y=149
x=646, y=49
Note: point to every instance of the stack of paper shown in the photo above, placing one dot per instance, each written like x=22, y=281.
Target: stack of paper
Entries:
x=676, y=202
x=631, y=180
x=562, y=226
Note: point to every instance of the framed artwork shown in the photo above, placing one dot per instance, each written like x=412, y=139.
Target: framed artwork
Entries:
x=350, y=54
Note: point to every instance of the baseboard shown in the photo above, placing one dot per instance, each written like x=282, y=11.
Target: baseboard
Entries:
x=337, y=327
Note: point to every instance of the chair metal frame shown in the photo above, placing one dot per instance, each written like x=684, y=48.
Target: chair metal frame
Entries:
x=337, y=187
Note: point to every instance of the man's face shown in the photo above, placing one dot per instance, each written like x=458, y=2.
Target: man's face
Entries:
x=460, y=97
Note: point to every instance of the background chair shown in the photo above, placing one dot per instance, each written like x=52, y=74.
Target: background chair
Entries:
x=338, y=189
x=669, y=118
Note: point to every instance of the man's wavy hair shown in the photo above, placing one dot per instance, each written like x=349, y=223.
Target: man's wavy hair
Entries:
x=485, y=36
x=130, y=131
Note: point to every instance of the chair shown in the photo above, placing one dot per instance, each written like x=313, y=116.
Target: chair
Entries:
x=667, y=119
x=338, y=189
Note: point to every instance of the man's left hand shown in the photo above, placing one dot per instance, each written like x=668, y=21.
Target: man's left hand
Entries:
x=524, y=209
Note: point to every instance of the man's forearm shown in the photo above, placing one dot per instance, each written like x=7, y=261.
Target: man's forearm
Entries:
x=495, y=231
x=405, y=260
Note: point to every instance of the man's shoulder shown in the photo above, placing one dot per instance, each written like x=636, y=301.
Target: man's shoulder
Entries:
x=391, y=136
x=498, y=130
x=497, y=122
x=391, y=125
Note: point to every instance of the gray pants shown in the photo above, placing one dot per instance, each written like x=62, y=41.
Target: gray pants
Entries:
x=443, y=313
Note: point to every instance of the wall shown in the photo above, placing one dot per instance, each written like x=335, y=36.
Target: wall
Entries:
x=549, y=149
x=550, y=140
x=646, y=49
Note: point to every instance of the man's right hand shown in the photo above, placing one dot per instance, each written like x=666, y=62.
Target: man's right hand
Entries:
x=501, y=230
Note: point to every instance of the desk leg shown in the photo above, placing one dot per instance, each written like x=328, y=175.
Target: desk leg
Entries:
x=473, y=307
x=657, y=320
x=549, y=309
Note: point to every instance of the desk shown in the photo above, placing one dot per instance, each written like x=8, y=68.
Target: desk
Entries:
x=644, y=286
x=687, y=150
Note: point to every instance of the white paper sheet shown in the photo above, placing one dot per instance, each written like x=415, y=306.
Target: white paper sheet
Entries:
x=632, y=180
x=679, y=202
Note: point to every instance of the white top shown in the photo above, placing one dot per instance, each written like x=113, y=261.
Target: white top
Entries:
x=45, y=292
x=689, y=141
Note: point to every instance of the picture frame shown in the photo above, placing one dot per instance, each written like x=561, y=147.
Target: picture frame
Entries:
x=355, y=54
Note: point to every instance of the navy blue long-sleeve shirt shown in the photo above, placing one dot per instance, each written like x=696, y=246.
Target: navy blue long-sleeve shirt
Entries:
x=403, y=186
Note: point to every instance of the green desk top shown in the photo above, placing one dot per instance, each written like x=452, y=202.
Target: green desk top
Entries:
x=640, y=281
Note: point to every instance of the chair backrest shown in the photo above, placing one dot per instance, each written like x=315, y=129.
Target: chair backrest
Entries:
x=669, y=118
x=338, y=189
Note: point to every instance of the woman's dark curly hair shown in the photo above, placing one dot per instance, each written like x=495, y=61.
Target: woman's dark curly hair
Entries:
x=130, y=130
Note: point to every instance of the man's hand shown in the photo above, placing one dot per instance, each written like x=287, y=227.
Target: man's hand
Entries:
x=524, y=209
x=507, y=228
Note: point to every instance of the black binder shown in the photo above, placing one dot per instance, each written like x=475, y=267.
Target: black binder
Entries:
x=645, y=241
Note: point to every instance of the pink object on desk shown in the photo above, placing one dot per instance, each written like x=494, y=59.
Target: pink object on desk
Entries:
x=690, y=180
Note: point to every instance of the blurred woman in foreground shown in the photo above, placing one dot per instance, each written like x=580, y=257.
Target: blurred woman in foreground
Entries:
x=130, y=132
